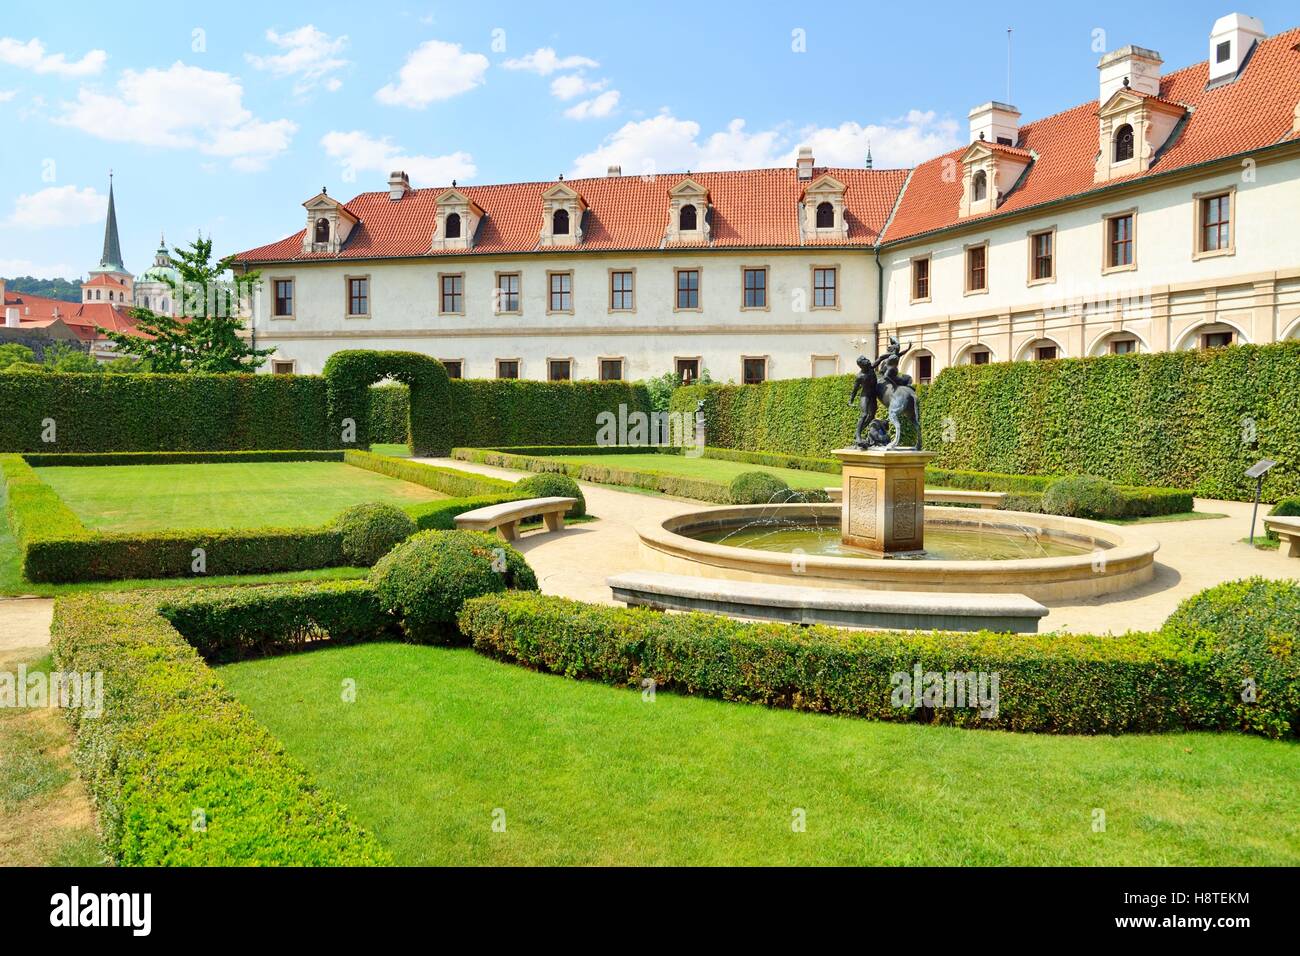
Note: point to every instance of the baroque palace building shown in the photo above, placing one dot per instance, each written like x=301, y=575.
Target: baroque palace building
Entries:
x=1161, y=215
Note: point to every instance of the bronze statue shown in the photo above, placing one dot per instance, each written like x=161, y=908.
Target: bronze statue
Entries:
x=881, y=381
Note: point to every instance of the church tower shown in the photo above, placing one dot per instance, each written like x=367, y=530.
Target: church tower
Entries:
x=110, y=282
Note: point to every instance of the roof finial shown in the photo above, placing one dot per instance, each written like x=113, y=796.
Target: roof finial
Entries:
x=1126, y=82
x=868, y=154
x=324, y=191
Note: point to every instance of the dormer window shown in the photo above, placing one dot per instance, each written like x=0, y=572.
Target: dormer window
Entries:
x=825, y=216
x=686, y=219
x=562, y=212
x=329, y=223
x=560, y=222
x=457, y=222
x=821, y=214
x=688, y=213
x=979, y=186
x=322, y=231
x=453, y=226
x=1124, y=143
x=989, y=172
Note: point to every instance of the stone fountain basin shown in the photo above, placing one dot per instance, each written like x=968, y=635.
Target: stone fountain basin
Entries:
x=1117, y=558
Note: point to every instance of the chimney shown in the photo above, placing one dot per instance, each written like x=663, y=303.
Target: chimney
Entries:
x=614, y=171
x=1131, y=66
x=11, y=317
x=804, y=164
x=995, y=122
x=1231, y=42
x=399, y=184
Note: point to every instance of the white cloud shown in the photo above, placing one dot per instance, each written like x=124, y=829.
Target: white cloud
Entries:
x=595, y=108
x=31, y=56
x=12, y=268
x=435, y=70
x=7, y=95
x=544, y=62
x=182, y=107
x=310, y=55
x=575, y=84
x=665, y=143
x=58, y=206
x=359, y=152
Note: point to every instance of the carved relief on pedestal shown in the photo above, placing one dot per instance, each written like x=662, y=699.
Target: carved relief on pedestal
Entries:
x=904, y=509
x=862, y=507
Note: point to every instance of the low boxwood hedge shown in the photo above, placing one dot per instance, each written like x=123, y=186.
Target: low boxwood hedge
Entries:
x=549, y=484
x=1286, y=508
x=662, y=481
x=76, y=460
x=180, y=772
x=1138, y=502
x=1176, y=678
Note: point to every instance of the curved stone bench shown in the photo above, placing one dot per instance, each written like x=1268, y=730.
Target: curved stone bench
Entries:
x=1288, y=531
x=797, y=604
x=506, y=517
x=943, y=496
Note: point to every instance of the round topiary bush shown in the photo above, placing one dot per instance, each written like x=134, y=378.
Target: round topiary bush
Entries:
x=549, y=484
x=1286, y=508
x=1248, y=631
x=758, y=488
x=370, y=530
x=425, y=579
x=1083, y=497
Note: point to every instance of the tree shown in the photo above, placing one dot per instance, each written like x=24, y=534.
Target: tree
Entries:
x=125, y=365
x=206, y=336
x=61, y=357
x=12, y=352
x=661, y=388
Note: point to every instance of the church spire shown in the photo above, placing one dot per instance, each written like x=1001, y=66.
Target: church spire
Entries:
x=112, y=257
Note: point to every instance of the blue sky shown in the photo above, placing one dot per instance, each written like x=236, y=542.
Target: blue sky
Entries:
x=224, y=118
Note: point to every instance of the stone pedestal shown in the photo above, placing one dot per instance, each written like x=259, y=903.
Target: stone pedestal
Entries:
x=884, y=500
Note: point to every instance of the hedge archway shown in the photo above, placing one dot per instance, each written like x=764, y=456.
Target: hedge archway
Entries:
x=348, y=377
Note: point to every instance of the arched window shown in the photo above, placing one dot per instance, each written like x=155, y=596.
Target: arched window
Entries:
x=560, y=222
x=164, y=307
x=453, y=226
x=686, y=220
x=979, y=186
x=825, y=216
x=322, y=230
x=1123, y=143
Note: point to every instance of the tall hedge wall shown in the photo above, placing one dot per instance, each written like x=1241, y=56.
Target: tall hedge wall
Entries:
x=100, y=413
x=1179, y=419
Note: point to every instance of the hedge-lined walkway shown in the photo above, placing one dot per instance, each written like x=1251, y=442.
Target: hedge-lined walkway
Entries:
x=1194, y=555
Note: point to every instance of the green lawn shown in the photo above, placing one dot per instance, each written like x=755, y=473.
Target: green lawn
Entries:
x=224, y=495
x=711, y=469
x=438, y=739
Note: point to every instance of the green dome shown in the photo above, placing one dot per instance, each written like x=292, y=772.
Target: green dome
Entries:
x=159, y=274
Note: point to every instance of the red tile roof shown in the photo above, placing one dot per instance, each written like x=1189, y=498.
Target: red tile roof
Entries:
x=37, y=311
x=103, y=279
x=754, y=207
x=1255, y=111
x=759, y=208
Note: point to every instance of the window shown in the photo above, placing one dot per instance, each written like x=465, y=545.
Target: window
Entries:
x=1215, y=233
x=611, y=370
x=455, y=368
x=281, y=367
x=1123, y=346
x=924, y=369
x=825, y=281
x=979, y=186
x=825, y=365
x=686, y=220
x=1044, y=353
x=1119, y=241
x=622, y=290
x=753, y=370
x=1042, y=260
x=1124, y=143
x=453, y=294
x=688, y=370
x=755, y=286
x=452, y=230
x=1217, y=340
x=323, y=231
x=977, y=277
x=507, y=297
x=980, y=356
x=560, y=222
x=358, y=295
x=561, y=292
x=825, y=216
x=507, y=368
x=688, y=289
x=921, y=279
x=559, y=370
x=1223, y=51
x=283, y=289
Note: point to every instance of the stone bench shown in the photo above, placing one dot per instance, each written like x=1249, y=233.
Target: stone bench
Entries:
x=845, y=607
x=506, y=517
x=943, y=496
x=1288, y=530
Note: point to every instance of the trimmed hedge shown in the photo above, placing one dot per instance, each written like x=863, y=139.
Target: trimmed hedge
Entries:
x=1286, y=508
x=551, y=485
x=448, y=481
x=348, y=377
x=172, y=741
x=74, y=460
x=100, y=413
x=1055, y=683
x=758, y=488
x=390, y=410
x=1135, y=503
x=370, y=530
x=1192, y=420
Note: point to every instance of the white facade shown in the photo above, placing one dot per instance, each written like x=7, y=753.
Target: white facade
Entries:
x=797, y=338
